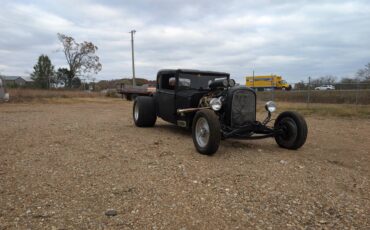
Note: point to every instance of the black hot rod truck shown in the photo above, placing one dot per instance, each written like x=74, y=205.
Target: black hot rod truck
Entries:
x=214, y=108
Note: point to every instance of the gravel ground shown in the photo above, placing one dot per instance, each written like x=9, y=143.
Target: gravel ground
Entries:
x=64, y=165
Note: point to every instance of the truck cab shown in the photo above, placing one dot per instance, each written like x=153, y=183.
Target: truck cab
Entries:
x=282, y=84
x=179, y=89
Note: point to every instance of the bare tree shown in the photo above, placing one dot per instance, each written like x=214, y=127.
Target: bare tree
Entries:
x=300, y=86
x=364, y=74
x=324, y=80
x=81, y=57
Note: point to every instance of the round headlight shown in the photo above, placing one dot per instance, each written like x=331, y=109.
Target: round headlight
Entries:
x=270, y=106
x=216, y=103
x=231, y=82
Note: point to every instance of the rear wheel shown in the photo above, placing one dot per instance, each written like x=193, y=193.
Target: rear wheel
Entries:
x=206, y=132
x=144, y=113
x=294, y=130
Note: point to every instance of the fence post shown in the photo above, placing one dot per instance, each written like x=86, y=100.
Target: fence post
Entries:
x=357, y=90
x=272, y=88
x=308, y=91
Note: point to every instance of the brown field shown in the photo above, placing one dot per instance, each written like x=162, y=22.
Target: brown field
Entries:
x=320, y=109
x=65, y=162
x=329, y=96
x=347, y=97
x=38, y=95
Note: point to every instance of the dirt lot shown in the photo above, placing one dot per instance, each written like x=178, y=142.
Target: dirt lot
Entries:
x=64, y=164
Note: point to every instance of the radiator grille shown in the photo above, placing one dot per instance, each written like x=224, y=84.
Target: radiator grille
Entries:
x=243, y=108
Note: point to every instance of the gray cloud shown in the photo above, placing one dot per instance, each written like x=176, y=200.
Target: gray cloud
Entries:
x=296, y=39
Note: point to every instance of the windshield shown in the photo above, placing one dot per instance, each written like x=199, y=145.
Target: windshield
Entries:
x=197, y=81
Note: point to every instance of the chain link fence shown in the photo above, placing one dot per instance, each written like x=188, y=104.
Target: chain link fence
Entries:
x=356, y=93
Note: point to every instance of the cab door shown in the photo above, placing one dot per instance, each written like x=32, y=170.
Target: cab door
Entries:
x=165, y=97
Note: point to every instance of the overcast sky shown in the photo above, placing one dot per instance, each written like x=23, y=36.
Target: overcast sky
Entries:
x=295, y=39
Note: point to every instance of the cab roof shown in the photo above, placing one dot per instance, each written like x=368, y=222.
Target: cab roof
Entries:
x=193, y=71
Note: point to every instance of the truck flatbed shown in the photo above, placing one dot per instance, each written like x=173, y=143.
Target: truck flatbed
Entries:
x=131, y=92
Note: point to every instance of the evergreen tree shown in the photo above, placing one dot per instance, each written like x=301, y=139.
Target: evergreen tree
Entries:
x=43, y=72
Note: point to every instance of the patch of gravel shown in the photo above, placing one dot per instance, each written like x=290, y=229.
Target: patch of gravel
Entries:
x=85, y=166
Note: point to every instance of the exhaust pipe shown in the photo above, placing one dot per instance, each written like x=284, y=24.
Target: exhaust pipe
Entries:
x=182, y=111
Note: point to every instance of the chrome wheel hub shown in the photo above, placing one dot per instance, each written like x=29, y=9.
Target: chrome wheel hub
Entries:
x=136, y=112
x=202, y=132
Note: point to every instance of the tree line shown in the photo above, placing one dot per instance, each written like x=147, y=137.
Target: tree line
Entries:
x=361, y=80
x=81, y=60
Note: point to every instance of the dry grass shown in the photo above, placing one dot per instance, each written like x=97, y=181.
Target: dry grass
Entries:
x=75, y=100
x=330, y=96
x=333, y=110
x=72, y=97
x=38, y=95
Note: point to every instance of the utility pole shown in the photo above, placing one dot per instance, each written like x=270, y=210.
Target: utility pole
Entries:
x=272, y=88
x=357, y=89
x=308, y=91
x=133, y=57
x=83, y=83
x=253, y=80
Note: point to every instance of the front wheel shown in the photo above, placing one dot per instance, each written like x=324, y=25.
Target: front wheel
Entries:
x=293, y=130
x=206, y=132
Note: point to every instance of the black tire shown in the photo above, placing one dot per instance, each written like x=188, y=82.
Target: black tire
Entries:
x=294, y=129
x=212, y=136
x=146, y=115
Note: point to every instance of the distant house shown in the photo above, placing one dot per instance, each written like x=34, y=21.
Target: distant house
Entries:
x=14, y=81
x=29, y=81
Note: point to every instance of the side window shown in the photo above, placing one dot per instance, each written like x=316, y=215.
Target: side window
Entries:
x=168, y=81
x=1, y=83
x=184, y=83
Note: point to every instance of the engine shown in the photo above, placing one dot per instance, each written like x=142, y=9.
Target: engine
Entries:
x=206, y=100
